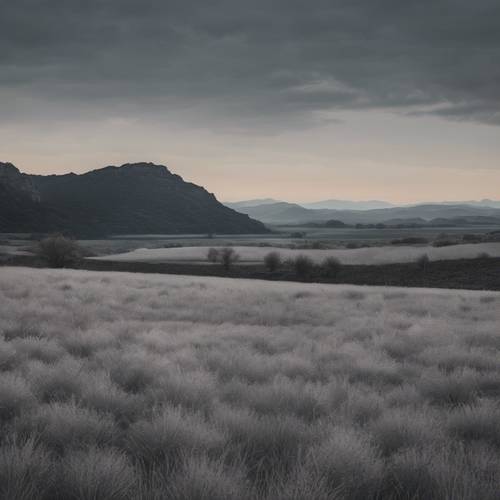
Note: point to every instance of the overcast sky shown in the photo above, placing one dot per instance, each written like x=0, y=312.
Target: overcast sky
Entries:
x=298, y=100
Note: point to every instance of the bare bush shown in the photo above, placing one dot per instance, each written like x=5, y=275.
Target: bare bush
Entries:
x=423, y=261
x=213, y=255
x=303, y=266
x=483, y=255
x=331, y=267
x=272, y=261
x=228, y=257
x=58, y=251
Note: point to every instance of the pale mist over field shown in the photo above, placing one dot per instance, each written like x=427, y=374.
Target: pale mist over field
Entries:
x=249, y=250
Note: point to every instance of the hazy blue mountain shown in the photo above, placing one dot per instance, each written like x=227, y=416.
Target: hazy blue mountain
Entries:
x=291, y=213
x=476, y=203
x=251, y=203
x=132, y=199
x=348, y=205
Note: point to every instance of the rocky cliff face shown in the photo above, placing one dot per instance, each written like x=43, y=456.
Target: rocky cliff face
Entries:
x=13, y=180
x=137, y=198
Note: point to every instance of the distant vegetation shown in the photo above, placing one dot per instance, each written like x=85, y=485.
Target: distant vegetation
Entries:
x=303, y=266
x=272, y=261
x=140, y=387
x=227, y=256
x=58, y=251
x=315, y=250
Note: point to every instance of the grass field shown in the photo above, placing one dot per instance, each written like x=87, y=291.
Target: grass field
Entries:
x=121, y=386
x=371, y=255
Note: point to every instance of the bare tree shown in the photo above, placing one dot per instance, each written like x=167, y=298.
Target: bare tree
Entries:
x=58, y=251
x=228, y=257
x=423, y=261
x=272, y=261
x=212, y=255
x=331, y=267
x=303, y=266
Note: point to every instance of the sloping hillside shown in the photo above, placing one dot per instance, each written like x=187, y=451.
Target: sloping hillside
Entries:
x=133, y=199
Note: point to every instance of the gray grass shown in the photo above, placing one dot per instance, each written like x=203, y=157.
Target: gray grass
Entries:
x=145, y=387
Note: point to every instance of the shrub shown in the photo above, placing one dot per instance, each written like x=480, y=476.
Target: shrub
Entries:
x=410, y=240
x=272, y=261
x=212, y=255
x=228, y=257
x=58, y=251
x=483, y=255
x=303, y=266
x=331, y=267
x=423, y=261
x=317, y=245
x=471, y=237
x=443, y=243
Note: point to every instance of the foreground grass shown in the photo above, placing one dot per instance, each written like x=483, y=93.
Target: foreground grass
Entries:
x=117, y=386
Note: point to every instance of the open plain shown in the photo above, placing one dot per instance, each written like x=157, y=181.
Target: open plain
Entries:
x=121, y=386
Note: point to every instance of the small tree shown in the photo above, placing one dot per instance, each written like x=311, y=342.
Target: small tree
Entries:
x=212, y=255
x=272, y=261
x=423, y=261
x=228, y=257
x=331, y=267
x=58, y=251
x=483, y=255
x=303, y=266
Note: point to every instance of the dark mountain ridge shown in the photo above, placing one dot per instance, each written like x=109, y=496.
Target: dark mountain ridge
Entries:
x=136, y=198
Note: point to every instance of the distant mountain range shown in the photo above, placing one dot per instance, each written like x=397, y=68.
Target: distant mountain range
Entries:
x=292, y=213
x=348, y=205
x=139, y=198
x=356, y=205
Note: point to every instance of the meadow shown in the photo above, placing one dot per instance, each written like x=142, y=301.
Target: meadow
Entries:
x=369, y=255
x=129, y=386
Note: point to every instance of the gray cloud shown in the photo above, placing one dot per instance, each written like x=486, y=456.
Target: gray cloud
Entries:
x=262, y=60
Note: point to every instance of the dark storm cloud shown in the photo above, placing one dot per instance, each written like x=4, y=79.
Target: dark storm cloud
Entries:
x=253, y=58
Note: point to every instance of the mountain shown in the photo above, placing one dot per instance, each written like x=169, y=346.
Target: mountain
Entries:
x=357, y=205
x=139, y=198
x=475, y=203
x=235, y=205
x=282, y=213
x=291, y=213
x=347, y=205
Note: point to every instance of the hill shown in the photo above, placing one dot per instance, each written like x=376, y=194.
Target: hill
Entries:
x=348, y=204
x=291, y=213
x=132, y=199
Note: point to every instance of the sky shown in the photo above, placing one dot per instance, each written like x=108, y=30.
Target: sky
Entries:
x=297, y=100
